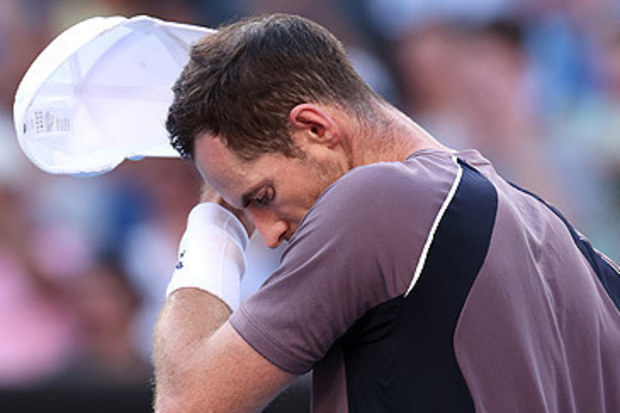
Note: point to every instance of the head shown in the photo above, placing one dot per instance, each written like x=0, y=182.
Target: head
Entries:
x=261, y=108
x=242, y=82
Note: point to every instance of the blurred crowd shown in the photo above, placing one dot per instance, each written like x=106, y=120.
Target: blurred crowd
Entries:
x=84, y=262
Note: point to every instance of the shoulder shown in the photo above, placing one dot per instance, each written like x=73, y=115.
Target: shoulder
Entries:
x=421, y=182
x=379, y=206
x=423, y=169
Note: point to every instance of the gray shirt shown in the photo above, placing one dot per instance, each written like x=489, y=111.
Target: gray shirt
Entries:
x=434, y=285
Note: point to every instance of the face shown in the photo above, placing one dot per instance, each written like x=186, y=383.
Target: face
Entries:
x=275, y=190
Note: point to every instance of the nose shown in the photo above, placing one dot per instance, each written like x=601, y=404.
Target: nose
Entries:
x=272, y=228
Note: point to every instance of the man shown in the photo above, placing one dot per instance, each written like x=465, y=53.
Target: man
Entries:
x=415, y=278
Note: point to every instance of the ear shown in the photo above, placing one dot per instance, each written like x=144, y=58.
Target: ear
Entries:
x=311, y=122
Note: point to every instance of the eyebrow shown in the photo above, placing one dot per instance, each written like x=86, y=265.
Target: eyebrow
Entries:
x=247, y=197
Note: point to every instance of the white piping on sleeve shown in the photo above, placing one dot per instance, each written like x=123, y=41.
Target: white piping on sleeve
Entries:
x=438, y=218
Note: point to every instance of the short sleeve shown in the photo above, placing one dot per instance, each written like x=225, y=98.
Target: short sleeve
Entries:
x=355, y=249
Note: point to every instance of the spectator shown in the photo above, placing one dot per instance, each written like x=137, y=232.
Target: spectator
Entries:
x=105, y=304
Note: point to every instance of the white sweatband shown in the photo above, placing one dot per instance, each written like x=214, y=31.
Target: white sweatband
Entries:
x=211, y=254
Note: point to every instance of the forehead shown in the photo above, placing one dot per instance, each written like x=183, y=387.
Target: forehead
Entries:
x=217, y=164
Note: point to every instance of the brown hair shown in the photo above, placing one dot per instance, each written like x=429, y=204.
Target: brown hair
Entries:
x=241, y=83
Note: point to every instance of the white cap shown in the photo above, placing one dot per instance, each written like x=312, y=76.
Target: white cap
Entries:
x=99, y=93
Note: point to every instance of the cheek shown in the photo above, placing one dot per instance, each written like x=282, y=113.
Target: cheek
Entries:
x=302, y=186
x=294, y=204
x=306, y=198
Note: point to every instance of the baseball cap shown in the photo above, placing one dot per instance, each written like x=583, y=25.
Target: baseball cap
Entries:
x=99, y=93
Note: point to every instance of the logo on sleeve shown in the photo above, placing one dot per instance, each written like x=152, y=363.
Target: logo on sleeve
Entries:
x=180, y=261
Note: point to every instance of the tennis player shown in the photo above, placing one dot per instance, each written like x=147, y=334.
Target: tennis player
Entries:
x=415, y=278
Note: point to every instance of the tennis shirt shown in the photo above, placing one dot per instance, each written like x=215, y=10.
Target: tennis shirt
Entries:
x=434, y=285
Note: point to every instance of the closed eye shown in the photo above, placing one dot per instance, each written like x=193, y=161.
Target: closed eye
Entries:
x=264, y=197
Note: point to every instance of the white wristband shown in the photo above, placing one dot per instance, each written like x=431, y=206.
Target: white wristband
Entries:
x=211, y=254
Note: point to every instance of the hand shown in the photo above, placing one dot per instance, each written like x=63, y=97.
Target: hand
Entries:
x=208, y=194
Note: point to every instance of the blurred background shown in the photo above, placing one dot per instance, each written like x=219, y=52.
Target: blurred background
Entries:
x=84, y=262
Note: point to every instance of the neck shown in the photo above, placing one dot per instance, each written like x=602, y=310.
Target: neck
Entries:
x=391, y=137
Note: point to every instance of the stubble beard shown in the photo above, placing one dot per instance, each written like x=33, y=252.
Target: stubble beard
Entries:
x=324, y=173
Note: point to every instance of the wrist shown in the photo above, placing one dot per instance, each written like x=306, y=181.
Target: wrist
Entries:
x=211, y=254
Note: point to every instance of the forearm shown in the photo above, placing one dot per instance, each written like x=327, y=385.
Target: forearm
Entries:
x=203, y=289
x=180, y=353
x=201, y=363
